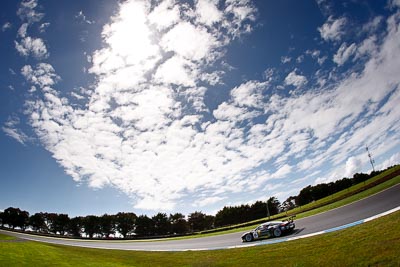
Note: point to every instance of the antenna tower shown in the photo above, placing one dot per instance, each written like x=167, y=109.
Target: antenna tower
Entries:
x=370, y=159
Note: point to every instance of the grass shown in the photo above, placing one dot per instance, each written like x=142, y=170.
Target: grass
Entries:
x=376, y=243
x=6, y=237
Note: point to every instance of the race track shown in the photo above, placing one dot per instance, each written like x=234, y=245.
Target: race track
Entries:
x=365, y=208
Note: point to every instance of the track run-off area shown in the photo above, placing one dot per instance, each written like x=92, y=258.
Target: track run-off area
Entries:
x=358, y=212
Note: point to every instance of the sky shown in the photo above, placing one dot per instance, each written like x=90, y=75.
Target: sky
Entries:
x=182, y=106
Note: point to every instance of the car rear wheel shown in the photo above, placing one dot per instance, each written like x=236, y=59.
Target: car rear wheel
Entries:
x=248, y=237
x=277, y=232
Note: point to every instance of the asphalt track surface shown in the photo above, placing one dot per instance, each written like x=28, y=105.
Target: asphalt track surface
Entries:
x=362, y=209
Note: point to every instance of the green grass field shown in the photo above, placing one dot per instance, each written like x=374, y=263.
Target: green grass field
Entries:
x=6, y=237
x=376, y=243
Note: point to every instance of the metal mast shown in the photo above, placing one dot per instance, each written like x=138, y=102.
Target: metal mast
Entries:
x=370, y=159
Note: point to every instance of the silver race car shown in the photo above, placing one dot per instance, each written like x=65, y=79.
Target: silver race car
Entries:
x=270, y=229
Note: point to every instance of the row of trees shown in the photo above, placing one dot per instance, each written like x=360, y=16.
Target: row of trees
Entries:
x=244, y=213
x=313, y=193
x=128, y=224
x=105, y=226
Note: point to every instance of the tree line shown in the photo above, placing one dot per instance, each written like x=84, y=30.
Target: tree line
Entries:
x=128, y=224
x=313, y=193
x=239, y=214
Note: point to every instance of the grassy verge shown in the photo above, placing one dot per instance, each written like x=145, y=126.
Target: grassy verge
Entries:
x=376, y=243
x=6, y=237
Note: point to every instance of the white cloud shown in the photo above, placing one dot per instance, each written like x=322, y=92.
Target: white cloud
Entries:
x=82, y=17
x=43, y=75
x=282, y=171
x=22, y=30
x=353, y=165
x=344, y=53
x=372, y=25
x=233, y=113
x=188, y=41
x=300, y=59
x=6, y=26
x=296, y=80
x=367, y=48
x=32, y=46
x=285, y=59
x=249, y=94
x=333, y=29
x=394, y=3
x=321, y=60
x=165, y=15
x=325, y=6
x=140, y=124
x=208, y=12
x=213, y=78
x=11, y=129
x=28, y=13
x=393, y=160
x=145, y=128
x=176, y=70
x=316, y=54
x=207, y=201
x=43, y=27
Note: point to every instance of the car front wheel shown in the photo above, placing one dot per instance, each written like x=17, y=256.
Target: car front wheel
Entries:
x=277, y=232
x=248, y=237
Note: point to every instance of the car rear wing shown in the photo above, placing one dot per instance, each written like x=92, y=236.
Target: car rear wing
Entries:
x=290, y=219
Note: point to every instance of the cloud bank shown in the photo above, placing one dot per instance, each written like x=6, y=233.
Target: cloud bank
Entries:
x=146, y=130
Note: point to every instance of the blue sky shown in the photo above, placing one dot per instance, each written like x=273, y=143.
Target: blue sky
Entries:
x=179, y=106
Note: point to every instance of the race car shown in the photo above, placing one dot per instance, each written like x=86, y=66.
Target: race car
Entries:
x=270, y=229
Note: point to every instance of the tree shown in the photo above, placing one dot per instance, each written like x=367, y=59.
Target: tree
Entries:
x=178, y=223
x=162, y=225
x=209, y=222
x=61, y=223
x=91, y=225
x=14, y=217
x=289, y=203
x=273, y=205
x=305, y=196
x=360, y=177
x=50, y=221
x=75, y=226
x=2, y=218
x=37, y=222
x=144, y=226
x=107, y=225
x=199, y=221
x=125, y=222
x=258, y=210
x=228, y=216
